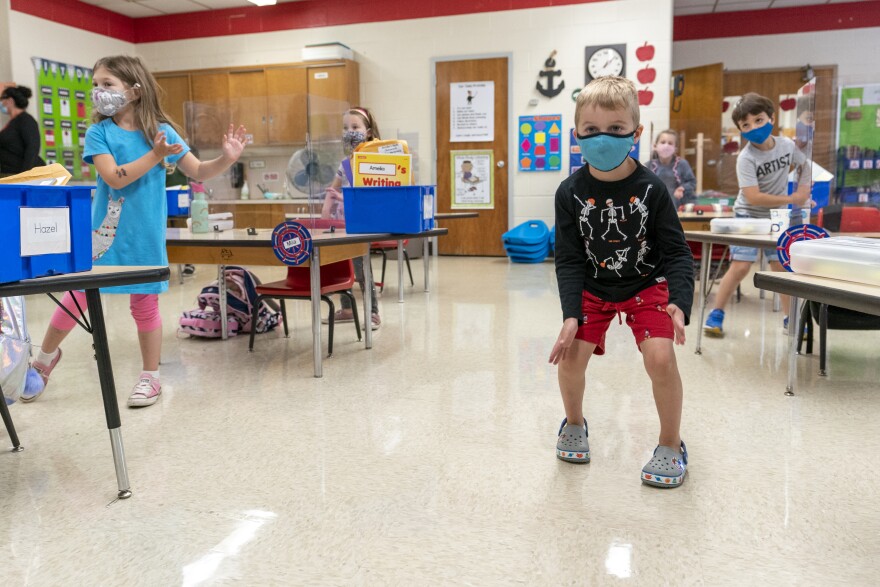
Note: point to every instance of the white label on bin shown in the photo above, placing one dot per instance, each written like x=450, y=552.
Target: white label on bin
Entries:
x=183, y=200
x=44, y=231
x=427, y=206
x=377, y=168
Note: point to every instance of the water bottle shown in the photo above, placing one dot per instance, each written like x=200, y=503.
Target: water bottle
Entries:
x=199, y=212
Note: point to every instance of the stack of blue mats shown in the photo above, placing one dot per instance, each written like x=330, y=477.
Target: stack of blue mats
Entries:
x=527, y=243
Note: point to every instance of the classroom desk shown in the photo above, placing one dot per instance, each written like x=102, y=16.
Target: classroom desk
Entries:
x=695, y=221
x=238, y=247
x=91, y=281
x=845, y=294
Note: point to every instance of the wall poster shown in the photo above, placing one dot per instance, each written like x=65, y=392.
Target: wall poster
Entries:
x=64, y=106
x=471, y=112
x=540, y=142
x=473, y=183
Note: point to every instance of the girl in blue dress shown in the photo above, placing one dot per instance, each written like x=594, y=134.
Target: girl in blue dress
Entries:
x=132, y=144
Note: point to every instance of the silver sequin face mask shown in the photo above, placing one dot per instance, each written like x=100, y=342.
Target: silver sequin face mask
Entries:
x=109, y=102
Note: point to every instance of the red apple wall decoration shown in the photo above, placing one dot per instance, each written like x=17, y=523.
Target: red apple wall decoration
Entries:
x=725, y=105
x=647, y=75
x=787, y=104
x=645, y=52
x=646, y=96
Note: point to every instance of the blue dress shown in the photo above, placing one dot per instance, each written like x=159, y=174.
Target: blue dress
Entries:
x=129, y=224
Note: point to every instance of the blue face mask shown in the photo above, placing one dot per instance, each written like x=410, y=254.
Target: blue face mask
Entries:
x=4, y=109
x=605, y=151
x=760, y=134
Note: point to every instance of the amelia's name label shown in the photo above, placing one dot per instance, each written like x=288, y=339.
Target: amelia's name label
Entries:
x=44, y=231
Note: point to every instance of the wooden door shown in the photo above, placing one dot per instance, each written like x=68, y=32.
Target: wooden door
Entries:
x=699, y=111
x=248, y=104
x=331, y=91
x=287, y=94
x=174, y=96
x=472, y=236
x=773, y=83
x=207, y=116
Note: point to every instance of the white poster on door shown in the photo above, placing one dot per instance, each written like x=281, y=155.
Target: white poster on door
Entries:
x=471, y=111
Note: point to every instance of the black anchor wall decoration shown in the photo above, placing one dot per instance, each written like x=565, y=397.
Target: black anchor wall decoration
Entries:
x=550, y=73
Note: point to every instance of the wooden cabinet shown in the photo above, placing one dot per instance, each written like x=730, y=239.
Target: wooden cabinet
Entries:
x=278, y=104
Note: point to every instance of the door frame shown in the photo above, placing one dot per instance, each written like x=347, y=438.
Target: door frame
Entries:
x=511, y=143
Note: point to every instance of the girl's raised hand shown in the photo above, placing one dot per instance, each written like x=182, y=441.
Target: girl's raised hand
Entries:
x=161, y=147
x=234, y=142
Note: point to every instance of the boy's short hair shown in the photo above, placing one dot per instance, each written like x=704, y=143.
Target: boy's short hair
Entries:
x=609, y=93
x=753, y=104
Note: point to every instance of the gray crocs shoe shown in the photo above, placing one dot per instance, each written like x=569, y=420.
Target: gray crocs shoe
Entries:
x=572, y=444
x=666, y=468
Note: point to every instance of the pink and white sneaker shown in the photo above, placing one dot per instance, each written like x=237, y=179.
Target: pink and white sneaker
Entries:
x=146, y=392
x=43, y=371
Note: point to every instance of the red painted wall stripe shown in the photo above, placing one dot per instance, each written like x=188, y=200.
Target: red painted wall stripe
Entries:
x=80, y=15
x=775, y=21
x=321, y=13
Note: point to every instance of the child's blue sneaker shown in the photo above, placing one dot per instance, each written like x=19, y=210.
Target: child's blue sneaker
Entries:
x=714, y=323
x=572, y=444
x=666, y=468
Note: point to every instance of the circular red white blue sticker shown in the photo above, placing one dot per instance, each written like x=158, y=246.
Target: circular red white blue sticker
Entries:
x=801, y=232
x=292, y=243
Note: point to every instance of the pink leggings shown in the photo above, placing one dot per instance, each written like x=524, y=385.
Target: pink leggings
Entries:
x=144, y=310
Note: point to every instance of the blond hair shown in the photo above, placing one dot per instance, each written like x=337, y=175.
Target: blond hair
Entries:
x=609, y=93
x=147, y=111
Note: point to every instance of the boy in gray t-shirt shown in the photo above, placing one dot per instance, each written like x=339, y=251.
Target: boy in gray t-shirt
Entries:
x=762, y=170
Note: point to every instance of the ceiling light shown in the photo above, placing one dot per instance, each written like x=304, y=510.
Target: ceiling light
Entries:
x=263, y=2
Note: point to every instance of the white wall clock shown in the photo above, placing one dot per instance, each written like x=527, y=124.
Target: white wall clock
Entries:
x=602, y=60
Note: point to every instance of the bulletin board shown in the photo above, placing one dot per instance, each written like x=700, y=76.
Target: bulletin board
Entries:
x=63, y=105
x=540, y=142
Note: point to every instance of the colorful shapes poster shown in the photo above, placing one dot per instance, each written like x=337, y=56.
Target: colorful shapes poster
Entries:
x=540, y=142
x=63, y=94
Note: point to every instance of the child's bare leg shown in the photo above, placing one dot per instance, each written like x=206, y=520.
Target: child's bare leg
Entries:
x=53, y=338
x=735, y=274
x=572, y=379
x=659, y=358
x=151, y=348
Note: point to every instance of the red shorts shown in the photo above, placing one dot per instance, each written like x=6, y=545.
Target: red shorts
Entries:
x=645, y=315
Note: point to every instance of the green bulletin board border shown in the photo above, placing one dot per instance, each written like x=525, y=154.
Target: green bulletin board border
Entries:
x=64, y=107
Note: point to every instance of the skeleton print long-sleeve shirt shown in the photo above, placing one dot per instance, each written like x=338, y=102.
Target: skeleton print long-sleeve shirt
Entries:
x=614, y=239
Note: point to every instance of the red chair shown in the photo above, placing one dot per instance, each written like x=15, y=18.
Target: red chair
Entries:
x=382, y=246
x=335, y=278
x=840, y=218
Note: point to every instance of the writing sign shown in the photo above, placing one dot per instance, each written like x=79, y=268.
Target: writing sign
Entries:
x=44, y=231
x=381, y=170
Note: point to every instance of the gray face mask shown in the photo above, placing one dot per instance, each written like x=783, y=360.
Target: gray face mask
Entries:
x=109, y=102
x=351, y=139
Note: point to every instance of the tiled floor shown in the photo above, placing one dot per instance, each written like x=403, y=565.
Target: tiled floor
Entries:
x=430, y=459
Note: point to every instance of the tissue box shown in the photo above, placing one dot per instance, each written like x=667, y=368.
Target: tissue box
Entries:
x=47, y=230
x=841, y=257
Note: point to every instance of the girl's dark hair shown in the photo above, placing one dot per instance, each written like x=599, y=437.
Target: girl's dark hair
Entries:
x=19, y=95
x=753, y=104
x=369, y=121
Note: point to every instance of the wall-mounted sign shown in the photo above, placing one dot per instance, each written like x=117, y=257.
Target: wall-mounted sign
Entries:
x=471, y=112
x=550, y=72
x=540, y=143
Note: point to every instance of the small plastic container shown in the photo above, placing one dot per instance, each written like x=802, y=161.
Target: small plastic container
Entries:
x=529, y=232
x=178, y=200
x=740, y=225
x=54, y=210
x=397, y=209
x=840, y=257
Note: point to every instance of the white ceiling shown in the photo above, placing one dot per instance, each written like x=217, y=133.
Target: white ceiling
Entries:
x=141, y=8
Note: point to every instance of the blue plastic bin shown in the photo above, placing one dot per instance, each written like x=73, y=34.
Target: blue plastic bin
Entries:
x=529, y=232
x=176, y=199
x=77, y=200
x=398, y=209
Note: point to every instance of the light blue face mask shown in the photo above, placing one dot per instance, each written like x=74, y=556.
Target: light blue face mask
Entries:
x=760, y=134
x=4, y=109
x=606, y=151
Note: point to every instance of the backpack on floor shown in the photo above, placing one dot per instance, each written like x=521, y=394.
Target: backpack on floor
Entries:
x=241, y=295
